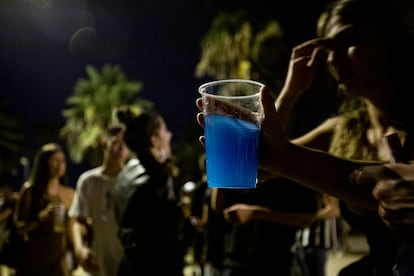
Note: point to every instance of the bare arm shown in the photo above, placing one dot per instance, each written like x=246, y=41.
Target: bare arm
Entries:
x=303, y=65
x=83, y=253
x=21, y=214
x=4, y=215
x=77, y=230
x=243, y=213
x=313, y=168
x=217, y=200
x=302, y=68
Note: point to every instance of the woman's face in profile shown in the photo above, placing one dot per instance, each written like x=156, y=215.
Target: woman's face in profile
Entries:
x=164, y=138
x=356, y=57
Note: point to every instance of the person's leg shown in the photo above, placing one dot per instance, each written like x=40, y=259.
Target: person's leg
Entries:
x=299, y=265
x=321, y=258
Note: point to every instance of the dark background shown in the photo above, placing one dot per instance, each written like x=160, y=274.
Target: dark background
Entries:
x=46, y=44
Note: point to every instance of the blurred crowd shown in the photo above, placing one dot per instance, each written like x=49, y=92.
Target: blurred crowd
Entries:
x=132, y=215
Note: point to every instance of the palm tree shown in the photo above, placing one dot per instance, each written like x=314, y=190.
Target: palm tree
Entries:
x=92, y=106
x=225, y=48
x=238, y=46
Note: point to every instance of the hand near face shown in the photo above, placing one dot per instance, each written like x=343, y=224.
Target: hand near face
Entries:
x=303, y=65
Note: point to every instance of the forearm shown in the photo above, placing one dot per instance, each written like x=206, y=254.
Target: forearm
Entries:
x=6, y=214
x=285, y=218
x=218, y=197
x=83, y=254
x=325, y=173
x=25, y=224
x=284, y=104
x=25, y=227
x=77, y=236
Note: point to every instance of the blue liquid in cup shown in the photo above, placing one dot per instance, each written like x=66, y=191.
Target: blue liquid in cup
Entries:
x=231, y=152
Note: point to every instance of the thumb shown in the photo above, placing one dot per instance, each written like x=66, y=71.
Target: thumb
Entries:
x=268, y=105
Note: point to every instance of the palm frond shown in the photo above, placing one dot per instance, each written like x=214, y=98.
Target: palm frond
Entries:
x=92, y=104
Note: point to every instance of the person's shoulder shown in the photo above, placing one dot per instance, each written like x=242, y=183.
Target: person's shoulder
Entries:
x=67, y=194
x=27, y=186
x=67, y=190
x=90, y=174
x=93, y=171
x=90, y=182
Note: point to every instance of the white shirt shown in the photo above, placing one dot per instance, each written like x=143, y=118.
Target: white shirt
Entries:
x=94, y=198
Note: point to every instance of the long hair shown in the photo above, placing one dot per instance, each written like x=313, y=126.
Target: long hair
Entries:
x=139, y=128
x=350, y=134
x=40, y=173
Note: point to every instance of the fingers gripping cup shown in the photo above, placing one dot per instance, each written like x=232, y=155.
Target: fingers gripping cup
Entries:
x=232, y=118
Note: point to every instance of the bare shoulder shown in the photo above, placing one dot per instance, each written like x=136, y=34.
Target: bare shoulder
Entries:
x=66, y=194
x=24, y=189
x=26, y=185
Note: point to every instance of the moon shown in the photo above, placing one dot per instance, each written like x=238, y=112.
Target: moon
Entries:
x=84, y=42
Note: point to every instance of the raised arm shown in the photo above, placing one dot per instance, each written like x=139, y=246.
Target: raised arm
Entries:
x=304, y=62
x=313, y=168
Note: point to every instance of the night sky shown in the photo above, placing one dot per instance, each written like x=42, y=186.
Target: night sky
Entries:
x=155, y=44
x=46, y=44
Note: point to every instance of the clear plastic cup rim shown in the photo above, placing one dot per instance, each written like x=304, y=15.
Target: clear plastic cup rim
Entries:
x=203, y=86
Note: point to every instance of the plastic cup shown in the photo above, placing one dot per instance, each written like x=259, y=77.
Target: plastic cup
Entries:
x=59, y=219
x=232, y=119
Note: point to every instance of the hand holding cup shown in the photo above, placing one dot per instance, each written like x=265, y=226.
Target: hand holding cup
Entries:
x=232, y=116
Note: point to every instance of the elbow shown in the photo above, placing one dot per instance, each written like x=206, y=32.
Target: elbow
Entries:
x=336, y=213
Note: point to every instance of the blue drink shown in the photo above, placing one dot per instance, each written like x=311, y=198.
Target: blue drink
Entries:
x=231, y=152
